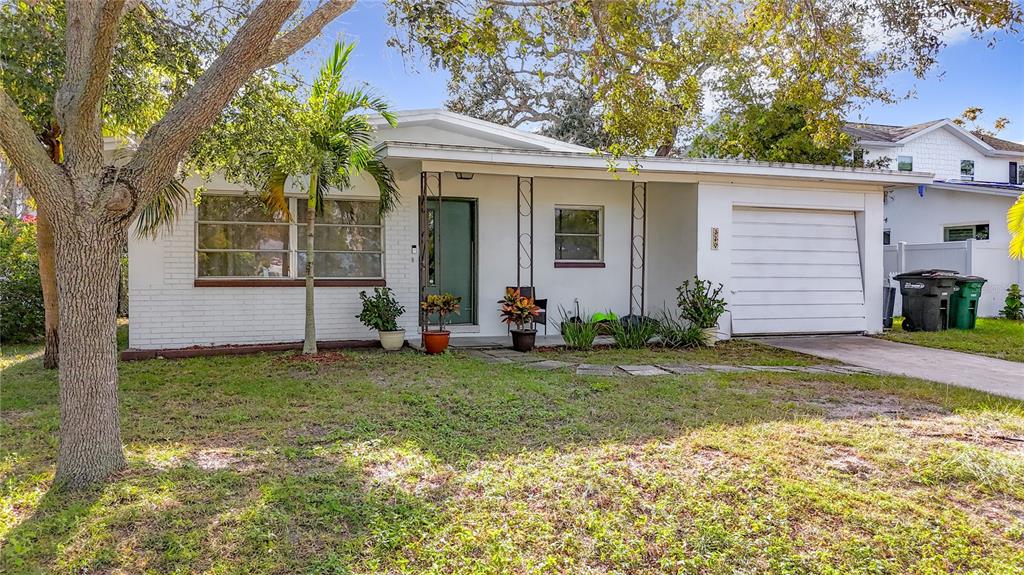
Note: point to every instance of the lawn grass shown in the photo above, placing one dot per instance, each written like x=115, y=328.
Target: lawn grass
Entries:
x=731, y=352
x=1000, y=338
x=365, y=462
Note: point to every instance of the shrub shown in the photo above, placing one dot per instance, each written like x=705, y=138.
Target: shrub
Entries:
x=633, y=332
x=1014, y=307
x=21, y=293
x=443, y=305
x=381, y=310
x=517, y=309
x=577, y=332
x=700, y=303
x=674, y=333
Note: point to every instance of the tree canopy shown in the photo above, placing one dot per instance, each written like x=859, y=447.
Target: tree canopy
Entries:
x=657, y=69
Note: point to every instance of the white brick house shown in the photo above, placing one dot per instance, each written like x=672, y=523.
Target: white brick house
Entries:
x=484, y=207
x=977, y=179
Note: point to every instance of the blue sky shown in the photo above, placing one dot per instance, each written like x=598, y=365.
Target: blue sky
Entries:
x=969, y=73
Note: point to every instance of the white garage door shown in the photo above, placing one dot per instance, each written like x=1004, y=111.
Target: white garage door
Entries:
x=795, y=271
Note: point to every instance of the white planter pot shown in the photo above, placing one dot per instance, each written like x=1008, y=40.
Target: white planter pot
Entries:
x=710, y=336
x=392, y=340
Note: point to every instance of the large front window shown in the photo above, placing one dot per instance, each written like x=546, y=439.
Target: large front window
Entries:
x=578, y=234
x=237, y=238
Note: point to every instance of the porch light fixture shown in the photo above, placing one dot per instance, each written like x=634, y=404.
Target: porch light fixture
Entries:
x=464, y=175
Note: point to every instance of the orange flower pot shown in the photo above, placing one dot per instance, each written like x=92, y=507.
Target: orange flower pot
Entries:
x=435, y=341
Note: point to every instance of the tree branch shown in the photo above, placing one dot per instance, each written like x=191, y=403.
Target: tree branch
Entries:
x=27, y=155
x=300, y=35
x=167, y=141
x=89, y=49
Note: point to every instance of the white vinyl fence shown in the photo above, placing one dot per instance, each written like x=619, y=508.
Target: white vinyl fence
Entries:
x=971, y=257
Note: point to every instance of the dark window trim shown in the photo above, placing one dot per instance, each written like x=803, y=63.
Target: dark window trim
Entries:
x=564, y=264
x=285, y=282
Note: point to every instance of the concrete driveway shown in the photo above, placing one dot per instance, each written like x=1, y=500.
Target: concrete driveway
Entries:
x=996, y=376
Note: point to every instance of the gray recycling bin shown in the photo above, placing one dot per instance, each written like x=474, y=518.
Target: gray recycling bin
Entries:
x=926, y=296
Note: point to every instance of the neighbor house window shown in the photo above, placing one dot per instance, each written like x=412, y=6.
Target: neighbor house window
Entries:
x=966, y=169
x=968, y=232
x=237, y=238
x=886, y=237
x=1015, y=173
x=579, y=234
x=905, y=163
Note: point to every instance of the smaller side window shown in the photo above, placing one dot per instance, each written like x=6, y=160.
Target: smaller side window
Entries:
x=961, y=233
x=886, y=237
x=1014, y=173
x=905, y=163
x=966, y=169
x=1020, y=173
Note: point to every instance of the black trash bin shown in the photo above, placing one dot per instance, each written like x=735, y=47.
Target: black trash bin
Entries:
x=926, y=296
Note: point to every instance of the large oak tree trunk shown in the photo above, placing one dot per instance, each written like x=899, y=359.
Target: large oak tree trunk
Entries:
x=48, y=279
x=88, y=252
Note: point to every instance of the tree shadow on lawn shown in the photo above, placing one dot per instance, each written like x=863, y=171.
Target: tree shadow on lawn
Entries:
x=265, y=464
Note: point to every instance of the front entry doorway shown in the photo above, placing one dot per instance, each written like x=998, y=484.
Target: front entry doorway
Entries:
x=451, y=254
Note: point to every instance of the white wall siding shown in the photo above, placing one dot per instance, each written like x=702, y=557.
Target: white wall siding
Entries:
x=671, y=242
x=168, y=311
x=916, y=219
x=940, y=152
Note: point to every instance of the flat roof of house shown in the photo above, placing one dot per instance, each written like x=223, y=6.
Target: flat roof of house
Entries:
x=646, y=164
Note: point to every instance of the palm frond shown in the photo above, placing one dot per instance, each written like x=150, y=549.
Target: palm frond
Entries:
x=1015, y=224
x=163, y=211
x=386, y=185
x=321, y=185
x=272, y=193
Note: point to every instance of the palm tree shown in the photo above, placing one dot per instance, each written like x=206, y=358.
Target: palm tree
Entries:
x=333, y=143
x=1015, y=223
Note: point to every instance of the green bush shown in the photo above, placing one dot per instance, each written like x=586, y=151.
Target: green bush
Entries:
x=700, y=303
x=21, y=293
x=381, y=310
x=1014, y=307
x=633, y=332
x=675, y=333
x=578, y=333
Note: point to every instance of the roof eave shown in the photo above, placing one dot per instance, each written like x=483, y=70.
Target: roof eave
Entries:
x=569, y=160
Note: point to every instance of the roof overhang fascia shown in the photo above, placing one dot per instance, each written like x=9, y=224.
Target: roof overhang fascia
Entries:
x=649, y=168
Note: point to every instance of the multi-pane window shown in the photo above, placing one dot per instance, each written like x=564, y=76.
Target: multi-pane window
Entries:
x=348, y=242
x=967, y=232
x=966, y=169
x=237, y=237
x=905, y=163
x=578, y=234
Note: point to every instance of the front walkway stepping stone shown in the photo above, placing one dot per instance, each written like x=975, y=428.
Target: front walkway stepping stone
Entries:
x=595, y=369
x=546, y=365
x=725, y=368
x=683, y=369
x=643, y=370
x=770, y=368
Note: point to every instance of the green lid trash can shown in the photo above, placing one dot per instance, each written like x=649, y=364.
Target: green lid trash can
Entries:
x=926, y=296
x=963, y=303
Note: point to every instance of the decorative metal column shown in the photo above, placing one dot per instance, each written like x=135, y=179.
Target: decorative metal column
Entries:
x=430, y=188
x=524, y=230
x=637, y=247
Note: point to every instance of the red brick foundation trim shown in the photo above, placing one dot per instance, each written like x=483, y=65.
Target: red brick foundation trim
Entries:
x=135, y=354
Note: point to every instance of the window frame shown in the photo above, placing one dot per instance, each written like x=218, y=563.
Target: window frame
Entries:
x=899, y=163
x=974, y=231
x=967, y=177
x=294, y=277
x=600, y=233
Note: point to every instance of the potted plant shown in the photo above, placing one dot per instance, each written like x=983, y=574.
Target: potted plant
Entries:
x=442, y=304
x=701, y=304
x=519, y=310
x=381, y=312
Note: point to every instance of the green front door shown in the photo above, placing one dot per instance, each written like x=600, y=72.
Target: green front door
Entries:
x=451, y=237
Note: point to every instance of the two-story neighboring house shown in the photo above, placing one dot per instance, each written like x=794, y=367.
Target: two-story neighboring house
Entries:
x=977, y=179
